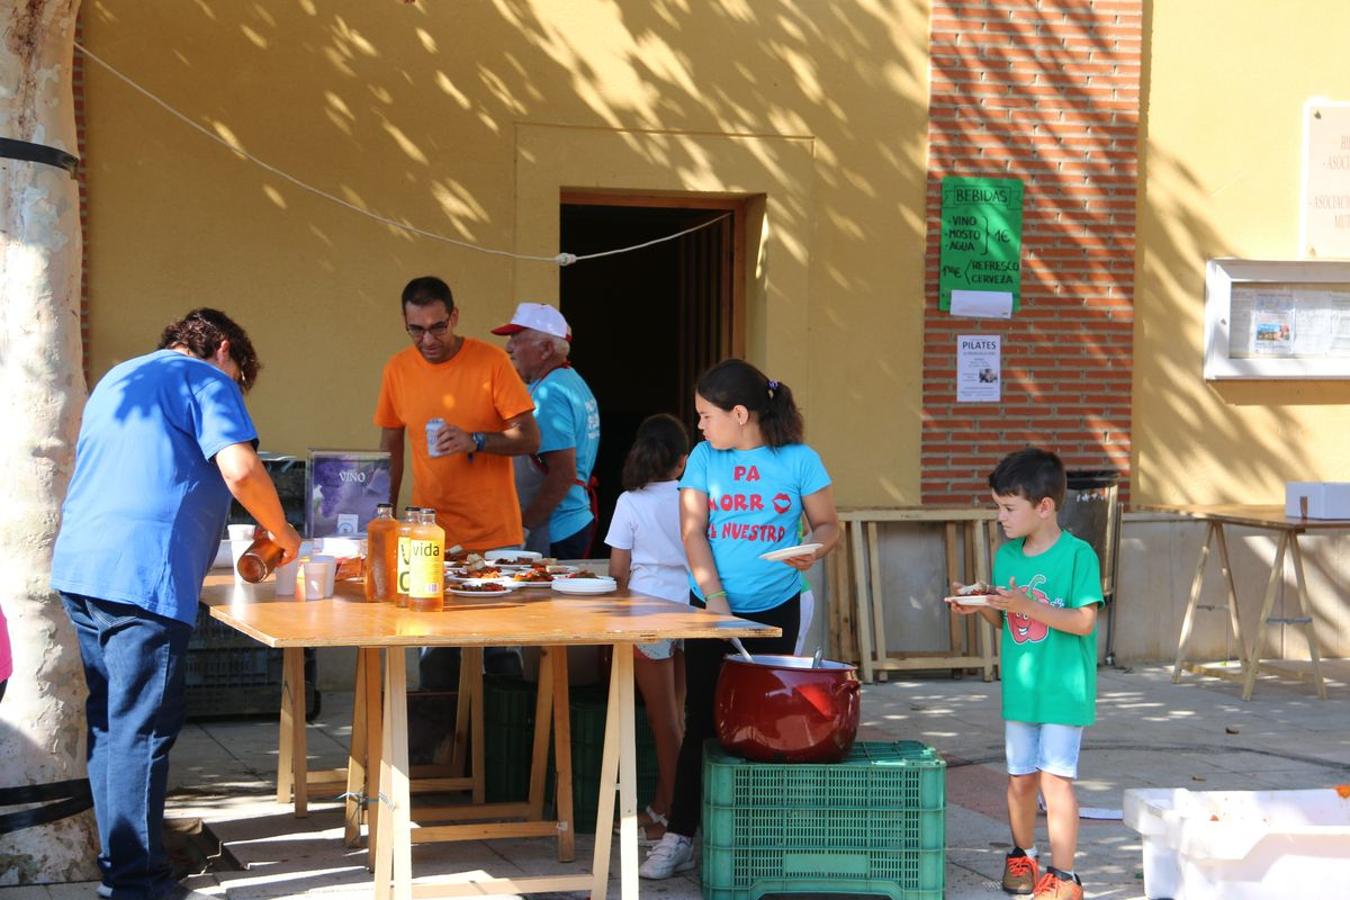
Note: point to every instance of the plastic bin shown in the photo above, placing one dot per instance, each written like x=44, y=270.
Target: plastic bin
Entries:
x=508, y=739
x=1241, y=845
x=873, y=823
x=1091, y=512
x=231, y=675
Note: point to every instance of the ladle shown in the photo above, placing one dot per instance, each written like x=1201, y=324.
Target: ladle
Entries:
x=740, y=648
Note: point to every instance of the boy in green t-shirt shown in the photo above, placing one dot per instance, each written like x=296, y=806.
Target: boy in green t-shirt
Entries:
x=1048, y=587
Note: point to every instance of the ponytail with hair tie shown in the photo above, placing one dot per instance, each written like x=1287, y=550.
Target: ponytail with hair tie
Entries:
x=734, y=382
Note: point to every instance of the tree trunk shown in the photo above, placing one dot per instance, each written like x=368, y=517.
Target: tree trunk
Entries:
x=42, y=730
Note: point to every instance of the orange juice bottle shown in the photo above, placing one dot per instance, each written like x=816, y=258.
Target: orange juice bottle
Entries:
x=411, y=516
x=381, y=555
x=426, y=588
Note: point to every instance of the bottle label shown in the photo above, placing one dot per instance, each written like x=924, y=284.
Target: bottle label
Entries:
x=404, y=563
x=427, y=574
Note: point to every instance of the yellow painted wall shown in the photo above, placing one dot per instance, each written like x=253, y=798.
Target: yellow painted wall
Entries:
x=1221, y=176
x=466, y=119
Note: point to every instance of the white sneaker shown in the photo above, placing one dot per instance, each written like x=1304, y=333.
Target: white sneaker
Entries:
x=673, y=853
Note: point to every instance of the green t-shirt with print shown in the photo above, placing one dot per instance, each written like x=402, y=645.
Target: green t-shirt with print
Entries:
x=1050, y=676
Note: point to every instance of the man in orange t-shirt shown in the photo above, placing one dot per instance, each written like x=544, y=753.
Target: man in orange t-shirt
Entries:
x=463, y=469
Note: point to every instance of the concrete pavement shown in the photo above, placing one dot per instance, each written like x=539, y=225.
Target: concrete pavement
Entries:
x=1150, y=733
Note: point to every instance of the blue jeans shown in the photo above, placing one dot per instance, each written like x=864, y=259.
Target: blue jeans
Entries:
x=135, y=667
x=575, y=545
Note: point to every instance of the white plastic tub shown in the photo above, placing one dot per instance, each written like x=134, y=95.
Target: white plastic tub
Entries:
x=1242, y=845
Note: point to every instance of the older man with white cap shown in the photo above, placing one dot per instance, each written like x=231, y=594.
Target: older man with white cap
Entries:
x=557, y=495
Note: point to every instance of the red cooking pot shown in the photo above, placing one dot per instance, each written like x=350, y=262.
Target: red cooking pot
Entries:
x=784, y=709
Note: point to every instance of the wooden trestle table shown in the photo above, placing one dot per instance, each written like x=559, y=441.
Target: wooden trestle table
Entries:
x=526, y=617
x=1287, y=530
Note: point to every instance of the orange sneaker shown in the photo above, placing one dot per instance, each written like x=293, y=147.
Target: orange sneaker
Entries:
x=1019, y=872
x=1054, y=885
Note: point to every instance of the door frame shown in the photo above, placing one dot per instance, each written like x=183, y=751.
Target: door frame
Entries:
x=733, y=319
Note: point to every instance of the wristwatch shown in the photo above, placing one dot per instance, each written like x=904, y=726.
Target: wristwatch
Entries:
x=479, y=439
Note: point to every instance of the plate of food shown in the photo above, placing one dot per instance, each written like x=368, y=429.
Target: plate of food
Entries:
x=510, y=556
x=573, y=585
x=537, y=577
x=976, y=594
x=464, y=573
x=791, y=552
x=575, y=572
x=480, y=589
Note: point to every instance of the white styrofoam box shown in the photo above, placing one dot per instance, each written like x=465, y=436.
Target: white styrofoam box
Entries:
x=1241, y=845
x=342, y=547
x=1326, y=499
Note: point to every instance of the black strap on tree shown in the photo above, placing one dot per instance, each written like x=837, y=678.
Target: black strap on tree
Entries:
x=38, y=153
x=63, y=799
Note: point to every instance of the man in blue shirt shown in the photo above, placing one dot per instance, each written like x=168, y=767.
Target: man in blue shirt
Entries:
x=164, y=443
x=557, y=496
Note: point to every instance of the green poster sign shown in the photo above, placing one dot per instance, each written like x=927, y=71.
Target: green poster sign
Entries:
x=981, y=238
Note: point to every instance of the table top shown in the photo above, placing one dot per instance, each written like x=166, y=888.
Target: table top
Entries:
x=526, y=616
x=1255, y=516
x=917, y=513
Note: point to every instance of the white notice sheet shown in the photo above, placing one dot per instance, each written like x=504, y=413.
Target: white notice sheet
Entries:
x=979, y=371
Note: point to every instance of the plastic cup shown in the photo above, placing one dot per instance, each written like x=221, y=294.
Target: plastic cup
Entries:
x=320, y=573
x=241, y=532
x=285, y=583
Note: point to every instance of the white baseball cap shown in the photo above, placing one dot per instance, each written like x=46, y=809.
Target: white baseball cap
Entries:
x=538, y=316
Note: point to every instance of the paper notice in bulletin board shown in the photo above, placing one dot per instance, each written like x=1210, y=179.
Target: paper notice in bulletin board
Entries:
x=979, y=371
x=1307, y=322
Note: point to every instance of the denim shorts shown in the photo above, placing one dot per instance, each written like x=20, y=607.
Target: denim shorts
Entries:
x=662, y=649
x=1034, y=747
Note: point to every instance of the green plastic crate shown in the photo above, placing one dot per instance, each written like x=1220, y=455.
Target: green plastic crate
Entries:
x=508, y=740
x=873, y=823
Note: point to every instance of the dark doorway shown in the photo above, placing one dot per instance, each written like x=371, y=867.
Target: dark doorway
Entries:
x=649, y=321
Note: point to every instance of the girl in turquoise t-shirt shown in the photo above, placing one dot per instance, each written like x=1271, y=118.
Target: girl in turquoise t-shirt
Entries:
x=743, y=491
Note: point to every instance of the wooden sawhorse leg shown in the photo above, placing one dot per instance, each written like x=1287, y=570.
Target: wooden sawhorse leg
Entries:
x=469, y=722
x=1288, y=541
x=1189, y=618
x=363, y=757
x=862, y=617
x=293, y=753
x=618, y=759
x=393, y=852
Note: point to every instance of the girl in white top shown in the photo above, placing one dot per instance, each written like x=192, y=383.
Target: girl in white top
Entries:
x=647, y=556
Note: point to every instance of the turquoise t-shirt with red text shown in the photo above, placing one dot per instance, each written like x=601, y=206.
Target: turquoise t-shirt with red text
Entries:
x=754, y=506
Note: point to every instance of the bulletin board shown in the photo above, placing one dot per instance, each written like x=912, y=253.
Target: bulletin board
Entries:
x=1277, y=319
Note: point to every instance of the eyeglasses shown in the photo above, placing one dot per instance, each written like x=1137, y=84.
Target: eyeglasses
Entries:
x=437, y=331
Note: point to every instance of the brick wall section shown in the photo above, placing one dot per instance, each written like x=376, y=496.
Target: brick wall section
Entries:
x=77, y=78
x=1047, y=91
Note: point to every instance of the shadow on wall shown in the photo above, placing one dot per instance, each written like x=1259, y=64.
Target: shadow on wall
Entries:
x=412, y=114
x=1046, y=94
x=1247, y=431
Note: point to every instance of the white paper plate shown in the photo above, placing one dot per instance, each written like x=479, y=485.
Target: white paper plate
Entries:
x=504, y=555
x=460, y=592
x=970, y=599
x=790, y=552
x=524, y=585
x=585, y=585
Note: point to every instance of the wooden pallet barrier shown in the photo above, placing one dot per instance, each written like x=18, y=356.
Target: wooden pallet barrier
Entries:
x=857, y=600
